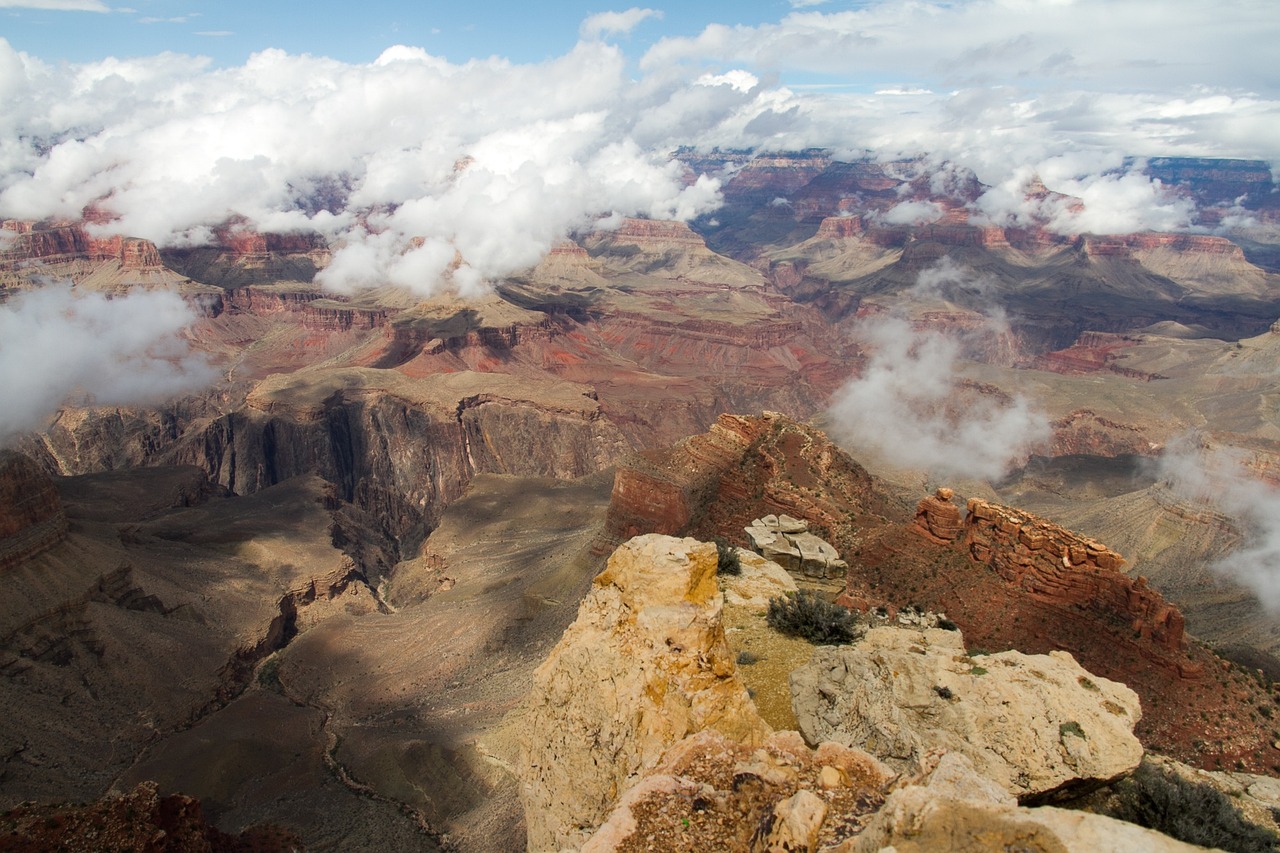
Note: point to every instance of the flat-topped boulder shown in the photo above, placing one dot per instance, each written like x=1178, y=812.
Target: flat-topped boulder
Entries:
x=788, y=542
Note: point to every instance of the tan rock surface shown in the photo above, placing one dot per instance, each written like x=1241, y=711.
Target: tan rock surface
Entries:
x=760, y=581
x=644, y=665
x=916, y=820
x=1034, y=723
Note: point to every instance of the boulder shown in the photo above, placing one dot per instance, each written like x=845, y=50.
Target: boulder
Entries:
x=644, y=665
x=1038, y=725
x=760, y=581
x=788, y=542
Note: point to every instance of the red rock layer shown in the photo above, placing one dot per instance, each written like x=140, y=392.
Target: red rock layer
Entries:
x=64, y=242
x=1094, y=352
x=1124, y=245
x=1062, y=568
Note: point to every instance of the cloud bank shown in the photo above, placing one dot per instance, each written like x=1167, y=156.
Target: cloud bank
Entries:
x=428, y=174
x=58, y=346
x=1221, y=478
x=910, y=406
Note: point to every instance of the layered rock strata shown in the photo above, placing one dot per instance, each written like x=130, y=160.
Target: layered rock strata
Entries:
x=644, y=665
x=31, y=514
x=1052, y=564
x=1037, y=725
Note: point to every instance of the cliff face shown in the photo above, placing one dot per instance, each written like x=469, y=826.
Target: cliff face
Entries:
x=31, y=515
x=1067, y=569
x=744, y=468
x=644, y=665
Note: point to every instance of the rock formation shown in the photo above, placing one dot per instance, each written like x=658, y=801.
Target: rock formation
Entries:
x=709, y=792
x=1038, y=725
x=788, y=542
x=953, y=808
x=31, y=515
x=644, y=665
x=1052, y=563
x=758, y=581
x=938, y=519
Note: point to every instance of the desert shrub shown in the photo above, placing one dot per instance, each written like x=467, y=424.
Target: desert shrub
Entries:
x=746, y=658
x=727, y=560
x=947, y=625
x=810, y=616
x=1189, y=811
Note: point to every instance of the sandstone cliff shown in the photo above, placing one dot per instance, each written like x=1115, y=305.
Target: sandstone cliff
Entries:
x=644, y=665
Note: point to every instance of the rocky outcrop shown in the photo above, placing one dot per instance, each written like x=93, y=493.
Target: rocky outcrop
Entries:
x=712, y=793
x=938, y=519
x=32, y=519
x=1038, y=725
x=788, y=542
x=758, y=581
x=953, y=808
x=1093, y=352
x=715, y=484
x=644, y=665
x=1049, y=562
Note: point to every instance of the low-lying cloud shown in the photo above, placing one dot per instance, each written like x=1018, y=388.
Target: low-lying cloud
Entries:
x=440, y=174
x=1221, y=478
x=910, y=405
x=58, y=346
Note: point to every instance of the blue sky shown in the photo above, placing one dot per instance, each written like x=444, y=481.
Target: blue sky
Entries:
x=230, y=30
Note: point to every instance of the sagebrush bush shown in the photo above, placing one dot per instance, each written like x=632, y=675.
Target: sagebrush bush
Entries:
x=1189, y=811
x=727, y=560
x=812, y=617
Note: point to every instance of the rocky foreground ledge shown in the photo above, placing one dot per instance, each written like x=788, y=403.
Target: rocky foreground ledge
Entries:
x=639, y=735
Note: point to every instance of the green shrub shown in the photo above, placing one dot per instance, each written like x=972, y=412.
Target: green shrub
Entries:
x=727, y=560
x=1189, y=811
x=810, y=616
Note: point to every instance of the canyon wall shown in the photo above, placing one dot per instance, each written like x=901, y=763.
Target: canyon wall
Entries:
x=31, y=514
x=1054, y=565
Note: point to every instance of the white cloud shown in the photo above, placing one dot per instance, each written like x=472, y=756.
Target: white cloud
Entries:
x=910, y=405
x=604, y=24
x=912, y=213
x=1222, y=479
x=57, y=5
x=493, y=160
x=58, y=346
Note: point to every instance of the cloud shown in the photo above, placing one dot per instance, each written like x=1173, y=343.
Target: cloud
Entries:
x=59, y=346
x=910, y=406
x=604, y=24
x=912, y=213
x=57, y=5
x=1221, y=478
x=477, y=167
x=492, y=160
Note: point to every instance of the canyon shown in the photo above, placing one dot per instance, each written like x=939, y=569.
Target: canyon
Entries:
x=363, y=539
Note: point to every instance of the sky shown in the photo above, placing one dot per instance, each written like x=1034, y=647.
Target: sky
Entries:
x=415, y=135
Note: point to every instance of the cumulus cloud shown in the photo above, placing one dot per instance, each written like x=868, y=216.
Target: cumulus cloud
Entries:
x=1221, y=478
x=912, y=213
x=910, y=405
x=604, y=24
x=430, y=173
x=59, y=346
x=487, y=160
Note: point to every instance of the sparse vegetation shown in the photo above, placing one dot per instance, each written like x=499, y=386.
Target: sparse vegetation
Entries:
x=727, y=560
x=1193, y=812
x=1070, y=728
x=943, y=692
x=746, y=658
x=810, y=616
x=947, y=625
